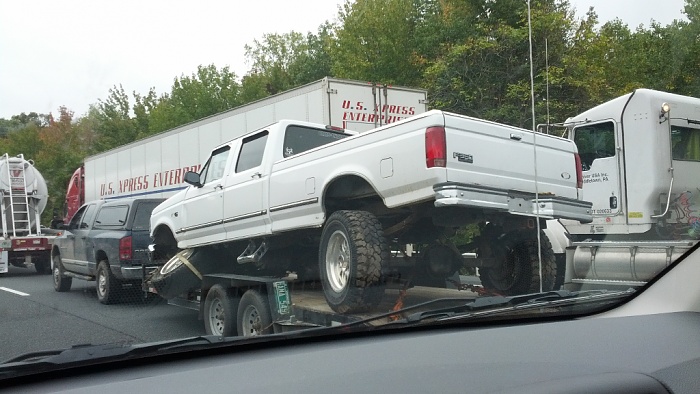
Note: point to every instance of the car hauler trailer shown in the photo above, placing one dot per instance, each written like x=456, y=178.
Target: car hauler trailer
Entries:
x=155, y=166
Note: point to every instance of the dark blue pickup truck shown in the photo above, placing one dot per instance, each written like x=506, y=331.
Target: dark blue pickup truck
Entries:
x=106, y=242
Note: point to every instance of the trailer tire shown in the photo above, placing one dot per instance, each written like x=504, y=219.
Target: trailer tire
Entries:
x=519, y=271
x=352, y=253
x=220, y=312
x=108, y=287
x=254, y=316
x=61, y=283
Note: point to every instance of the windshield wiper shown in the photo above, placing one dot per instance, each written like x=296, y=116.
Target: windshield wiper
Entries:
x=487, y=306
x=490, y=306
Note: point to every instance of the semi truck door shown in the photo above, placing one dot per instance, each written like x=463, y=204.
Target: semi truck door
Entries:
x=597, y=146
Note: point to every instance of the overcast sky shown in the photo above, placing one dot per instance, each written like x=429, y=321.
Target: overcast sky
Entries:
x=55, y=53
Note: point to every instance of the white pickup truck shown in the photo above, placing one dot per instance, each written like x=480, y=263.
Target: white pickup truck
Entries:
x=336, y=205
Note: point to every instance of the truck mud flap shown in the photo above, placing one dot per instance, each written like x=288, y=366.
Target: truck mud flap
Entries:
x=184, y=271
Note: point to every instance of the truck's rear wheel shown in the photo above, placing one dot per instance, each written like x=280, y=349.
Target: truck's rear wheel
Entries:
x=351, y=255
x=254, y=316
x=108, y=287
x=61, y=283
x=220, y=312
x=518, y=271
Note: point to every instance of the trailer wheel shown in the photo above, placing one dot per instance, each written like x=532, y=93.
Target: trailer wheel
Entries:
x=518, y=271
x=351, y=255
x=220, y=312
x=254, y=316
x=61, y=283
x=108, y=286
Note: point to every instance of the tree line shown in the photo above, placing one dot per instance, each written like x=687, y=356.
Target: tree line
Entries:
x=472, y=56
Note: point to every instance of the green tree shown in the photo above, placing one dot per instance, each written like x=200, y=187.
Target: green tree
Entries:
x=208, y=91
x=375, y=42
x=112, y=120
x=486, y=74
x=64, y=142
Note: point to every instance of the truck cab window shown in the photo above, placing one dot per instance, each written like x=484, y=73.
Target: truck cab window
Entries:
x=299, y=139
x=114, y=216
x=595, y=141
x=252, y=150
x=214, y=169
x=685, y=143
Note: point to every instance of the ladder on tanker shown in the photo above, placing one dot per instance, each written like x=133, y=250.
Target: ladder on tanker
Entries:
x=19, y=208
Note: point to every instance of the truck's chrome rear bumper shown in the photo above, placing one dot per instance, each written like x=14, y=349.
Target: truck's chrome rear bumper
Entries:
x=135, y=273
x=518, y=203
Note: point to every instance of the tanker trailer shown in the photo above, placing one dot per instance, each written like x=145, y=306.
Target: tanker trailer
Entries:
x=23, y=198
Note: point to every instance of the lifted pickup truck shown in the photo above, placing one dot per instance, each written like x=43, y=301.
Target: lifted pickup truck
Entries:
x=332, y=205
x=105, y=241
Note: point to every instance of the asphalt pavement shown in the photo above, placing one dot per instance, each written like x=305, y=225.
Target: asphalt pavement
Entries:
x=34, y=317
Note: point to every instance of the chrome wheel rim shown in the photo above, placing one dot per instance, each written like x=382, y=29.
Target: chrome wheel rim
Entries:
x=338, y=261
x=217, y=320
x=101, y=283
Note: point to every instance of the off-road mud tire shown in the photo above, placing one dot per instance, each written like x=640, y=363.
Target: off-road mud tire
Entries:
x=360, y=286
x=519, y=272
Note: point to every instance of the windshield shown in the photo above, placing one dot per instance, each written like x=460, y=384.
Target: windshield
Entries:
x=444, y=207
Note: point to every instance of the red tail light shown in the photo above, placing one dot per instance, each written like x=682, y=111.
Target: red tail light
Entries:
x=125, y=248
x=579, y=171
x=435, y=147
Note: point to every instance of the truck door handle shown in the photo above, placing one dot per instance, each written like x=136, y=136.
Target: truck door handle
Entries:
x=516, y=137
x=256, y=175
x=218, y=187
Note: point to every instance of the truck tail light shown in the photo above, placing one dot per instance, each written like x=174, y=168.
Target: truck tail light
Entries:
x=435, y=147
x=579, y=171
x=125, y=248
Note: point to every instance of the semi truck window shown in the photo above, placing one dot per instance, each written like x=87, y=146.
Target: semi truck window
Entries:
x=214, y=169
x=595, y=141
x=112, y=216
x=252, y=150
x=300, y=139
x=685, y=143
